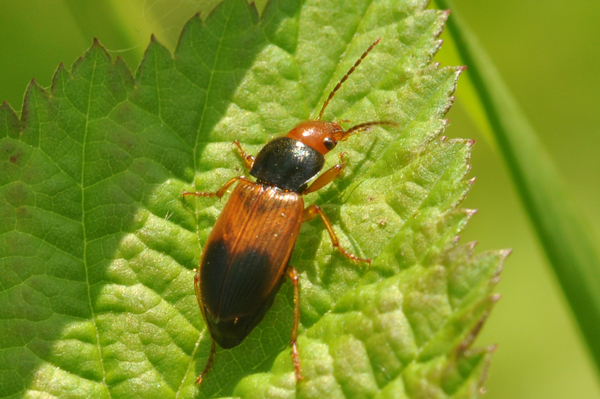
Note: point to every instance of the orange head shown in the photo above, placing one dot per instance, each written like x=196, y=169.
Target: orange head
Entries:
x=319, y=135
x=323, y=136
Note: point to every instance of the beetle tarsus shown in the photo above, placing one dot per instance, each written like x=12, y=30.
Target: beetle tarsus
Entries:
x=296, y=361
x=199, y=194
x=209, y=363
x=350, y=255
x=292, y=274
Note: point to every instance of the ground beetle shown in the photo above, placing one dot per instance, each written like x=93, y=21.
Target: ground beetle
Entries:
x=247, y=253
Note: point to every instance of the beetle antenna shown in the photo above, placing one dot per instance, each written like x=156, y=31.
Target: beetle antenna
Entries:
x=337, y=87
x=362, y=127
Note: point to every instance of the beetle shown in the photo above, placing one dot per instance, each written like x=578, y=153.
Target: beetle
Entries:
x=245, y=259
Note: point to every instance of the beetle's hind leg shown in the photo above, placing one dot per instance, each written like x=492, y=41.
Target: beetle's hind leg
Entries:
x=292, y=274
x=209, y=363
x=311, y=212
x=213, y=348
x=248, y=159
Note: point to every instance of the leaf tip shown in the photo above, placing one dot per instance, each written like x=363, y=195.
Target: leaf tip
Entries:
x=10, y=119
x=495, y=298
x=506, y=252
x=60, y=70
x=151, y=51
x=96, y=46
x=468, y=340
x=33, y=85
x=5, y=106
x=449, y=105
x=31, y=88
x=471, y=212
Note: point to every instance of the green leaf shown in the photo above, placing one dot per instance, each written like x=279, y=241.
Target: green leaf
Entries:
x=569, y=243
x=98, y=246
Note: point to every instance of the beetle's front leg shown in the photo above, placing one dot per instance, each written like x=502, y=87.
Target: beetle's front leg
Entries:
x=292, y=274
x=327, y=177
x=248, y=159
x=311, y=212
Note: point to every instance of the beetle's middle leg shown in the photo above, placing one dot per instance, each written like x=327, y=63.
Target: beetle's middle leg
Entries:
x=311, y=212
x=292, y=274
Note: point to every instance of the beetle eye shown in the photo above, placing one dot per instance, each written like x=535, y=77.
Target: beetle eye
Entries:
x=329, y=143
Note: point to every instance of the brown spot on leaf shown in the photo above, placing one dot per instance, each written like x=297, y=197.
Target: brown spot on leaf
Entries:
x=23, y=212
x=17, y=194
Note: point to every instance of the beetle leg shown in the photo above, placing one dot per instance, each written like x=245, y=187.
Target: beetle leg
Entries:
x=311, y=212
x=213, y=348
x=219, y=193
x=197, y=286
x=327, y=177
x=248, y=159
x=292, y=274
x=209, y=363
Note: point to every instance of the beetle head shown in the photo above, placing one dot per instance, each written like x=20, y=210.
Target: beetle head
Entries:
x=323, y=136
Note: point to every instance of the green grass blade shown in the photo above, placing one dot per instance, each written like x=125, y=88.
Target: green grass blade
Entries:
x=567, y=240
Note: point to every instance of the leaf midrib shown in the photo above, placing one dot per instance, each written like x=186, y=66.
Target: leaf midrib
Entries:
x=83, y=216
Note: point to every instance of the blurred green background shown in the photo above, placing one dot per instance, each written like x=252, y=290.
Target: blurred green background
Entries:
x=548, y=54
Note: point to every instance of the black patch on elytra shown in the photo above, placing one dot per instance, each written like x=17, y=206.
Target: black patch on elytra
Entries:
x=230, y=333
x=235, y=286
x=212, y=274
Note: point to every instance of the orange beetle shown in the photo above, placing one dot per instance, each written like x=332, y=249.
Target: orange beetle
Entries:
x=247, y=253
